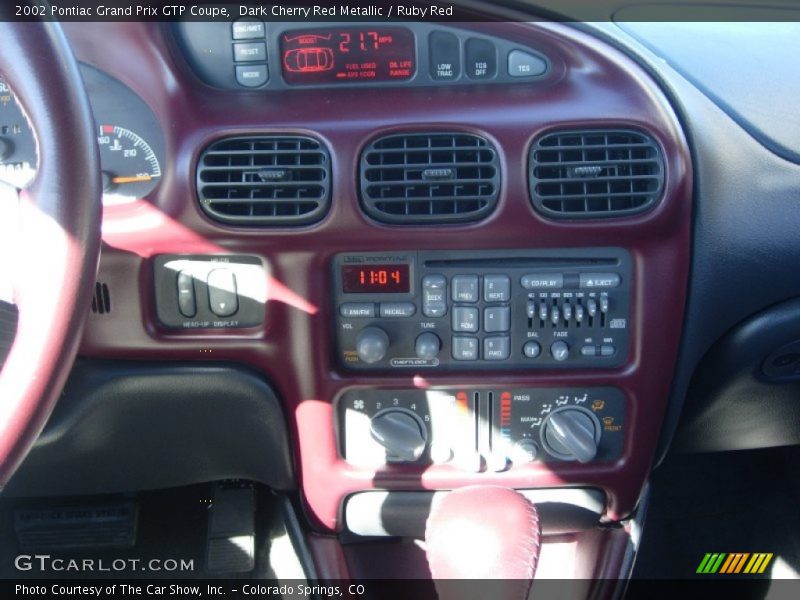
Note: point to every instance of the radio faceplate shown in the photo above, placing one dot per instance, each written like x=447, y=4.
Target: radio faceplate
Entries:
x=505, y=309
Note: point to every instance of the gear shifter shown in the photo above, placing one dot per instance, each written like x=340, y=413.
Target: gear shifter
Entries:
x=483, y=533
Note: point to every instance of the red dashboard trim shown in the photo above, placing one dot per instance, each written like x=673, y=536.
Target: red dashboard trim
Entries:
x=593, y=85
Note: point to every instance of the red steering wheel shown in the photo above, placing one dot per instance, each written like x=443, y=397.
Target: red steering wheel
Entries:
x=49, y=236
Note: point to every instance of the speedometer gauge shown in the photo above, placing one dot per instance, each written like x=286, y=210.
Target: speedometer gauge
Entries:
x=130, y=166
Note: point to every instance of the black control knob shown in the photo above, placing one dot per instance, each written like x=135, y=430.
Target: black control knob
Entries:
x=5, y=149
x=427, y=345
x=571, y=433
x=372, y=344
x=401, y=432
x=559, y=350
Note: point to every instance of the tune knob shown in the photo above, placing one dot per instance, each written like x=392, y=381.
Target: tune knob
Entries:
x=401, y=432
x=372, y=344
x=427, y=345
x=571, y=433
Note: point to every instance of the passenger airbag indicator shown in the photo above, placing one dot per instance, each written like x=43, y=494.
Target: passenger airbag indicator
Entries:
x=347, y=55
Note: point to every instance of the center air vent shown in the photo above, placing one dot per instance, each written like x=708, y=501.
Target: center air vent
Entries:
x=264, y=180
x=429, y=178
x=595, y=173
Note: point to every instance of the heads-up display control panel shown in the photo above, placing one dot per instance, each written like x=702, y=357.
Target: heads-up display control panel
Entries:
x=521, y=309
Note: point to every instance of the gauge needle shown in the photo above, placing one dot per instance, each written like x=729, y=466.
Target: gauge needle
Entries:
x=132, y=179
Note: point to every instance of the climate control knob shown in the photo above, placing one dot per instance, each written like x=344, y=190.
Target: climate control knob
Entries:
x=401, y=432
x=372, y=344
x=427, y=345
x=571, y=433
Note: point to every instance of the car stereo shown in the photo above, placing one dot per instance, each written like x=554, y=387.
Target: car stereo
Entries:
x=509, y=309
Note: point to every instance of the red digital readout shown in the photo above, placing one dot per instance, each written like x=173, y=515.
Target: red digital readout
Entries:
x=347, y=55
x=376, y=279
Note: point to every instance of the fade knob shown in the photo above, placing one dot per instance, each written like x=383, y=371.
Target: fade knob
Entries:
x=372, y=344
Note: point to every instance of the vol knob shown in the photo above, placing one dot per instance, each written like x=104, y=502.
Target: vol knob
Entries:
x=571, y=433
x=401, y=432
x=427, y=345
x=372, y=344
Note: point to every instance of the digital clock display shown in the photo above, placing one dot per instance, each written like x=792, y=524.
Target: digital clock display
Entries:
x=354, y=55
x=384, y=279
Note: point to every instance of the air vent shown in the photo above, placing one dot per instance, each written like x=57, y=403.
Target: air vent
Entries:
x=264, y=180
x=595, y=174
x=101, y=301
x=429, y=178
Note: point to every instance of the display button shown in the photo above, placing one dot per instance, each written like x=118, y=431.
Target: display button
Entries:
x=496, y=288
x=434, y=299
x=465, y=319
x=187, y=304
x=222, y=292
x=465, y=348
x=247, y=29
x=445, y=53
x=496, y=348
x=481, y=59
x=465, y=288
x=596, y=280
x=252, y=75
x=250, y=52
x=524, y=64
x=542, y=281
x=354, y=310
x=496, y=319
x=532, y=349
x=397, y=309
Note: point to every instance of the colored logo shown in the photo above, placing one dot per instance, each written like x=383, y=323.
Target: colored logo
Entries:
x=734, y=563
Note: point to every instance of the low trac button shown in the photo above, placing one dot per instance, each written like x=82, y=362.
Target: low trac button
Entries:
x=445, y=56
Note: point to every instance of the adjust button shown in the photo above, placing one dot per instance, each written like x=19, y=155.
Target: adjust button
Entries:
x=445, y=55
x=351, y=310
x=246, y=29
x=186, y=299
x=496, y=348
x=481, y=61
x=496, y=288
x=252, y=75
x=465, y=348
x=250, y=52
x=496, y=319
x=434, y=299
x=222, y=292
x=524, y=64
x=397, y=309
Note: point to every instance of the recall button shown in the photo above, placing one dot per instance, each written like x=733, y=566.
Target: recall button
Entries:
x=397, y=309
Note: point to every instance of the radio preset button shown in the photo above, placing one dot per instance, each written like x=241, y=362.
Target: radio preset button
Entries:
x=351, y=310
x=496, y=348
x=496, y=319
x=434, y=299
x=465, y=348
x=539, y=281
x=596, y=280
x=397, y=309
x=465, y=288
x=496, y=288
x=465, y=319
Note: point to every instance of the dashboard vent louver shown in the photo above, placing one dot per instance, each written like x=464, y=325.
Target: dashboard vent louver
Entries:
x=429, y=178
x=595, y=173
x=264, y=180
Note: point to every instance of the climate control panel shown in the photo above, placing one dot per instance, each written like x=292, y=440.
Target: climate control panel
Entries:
x=481, y=429
x=492, y=309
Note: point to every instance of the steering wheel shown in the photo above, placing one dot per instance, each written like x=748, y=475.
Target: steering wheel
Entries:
x=50, y=243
